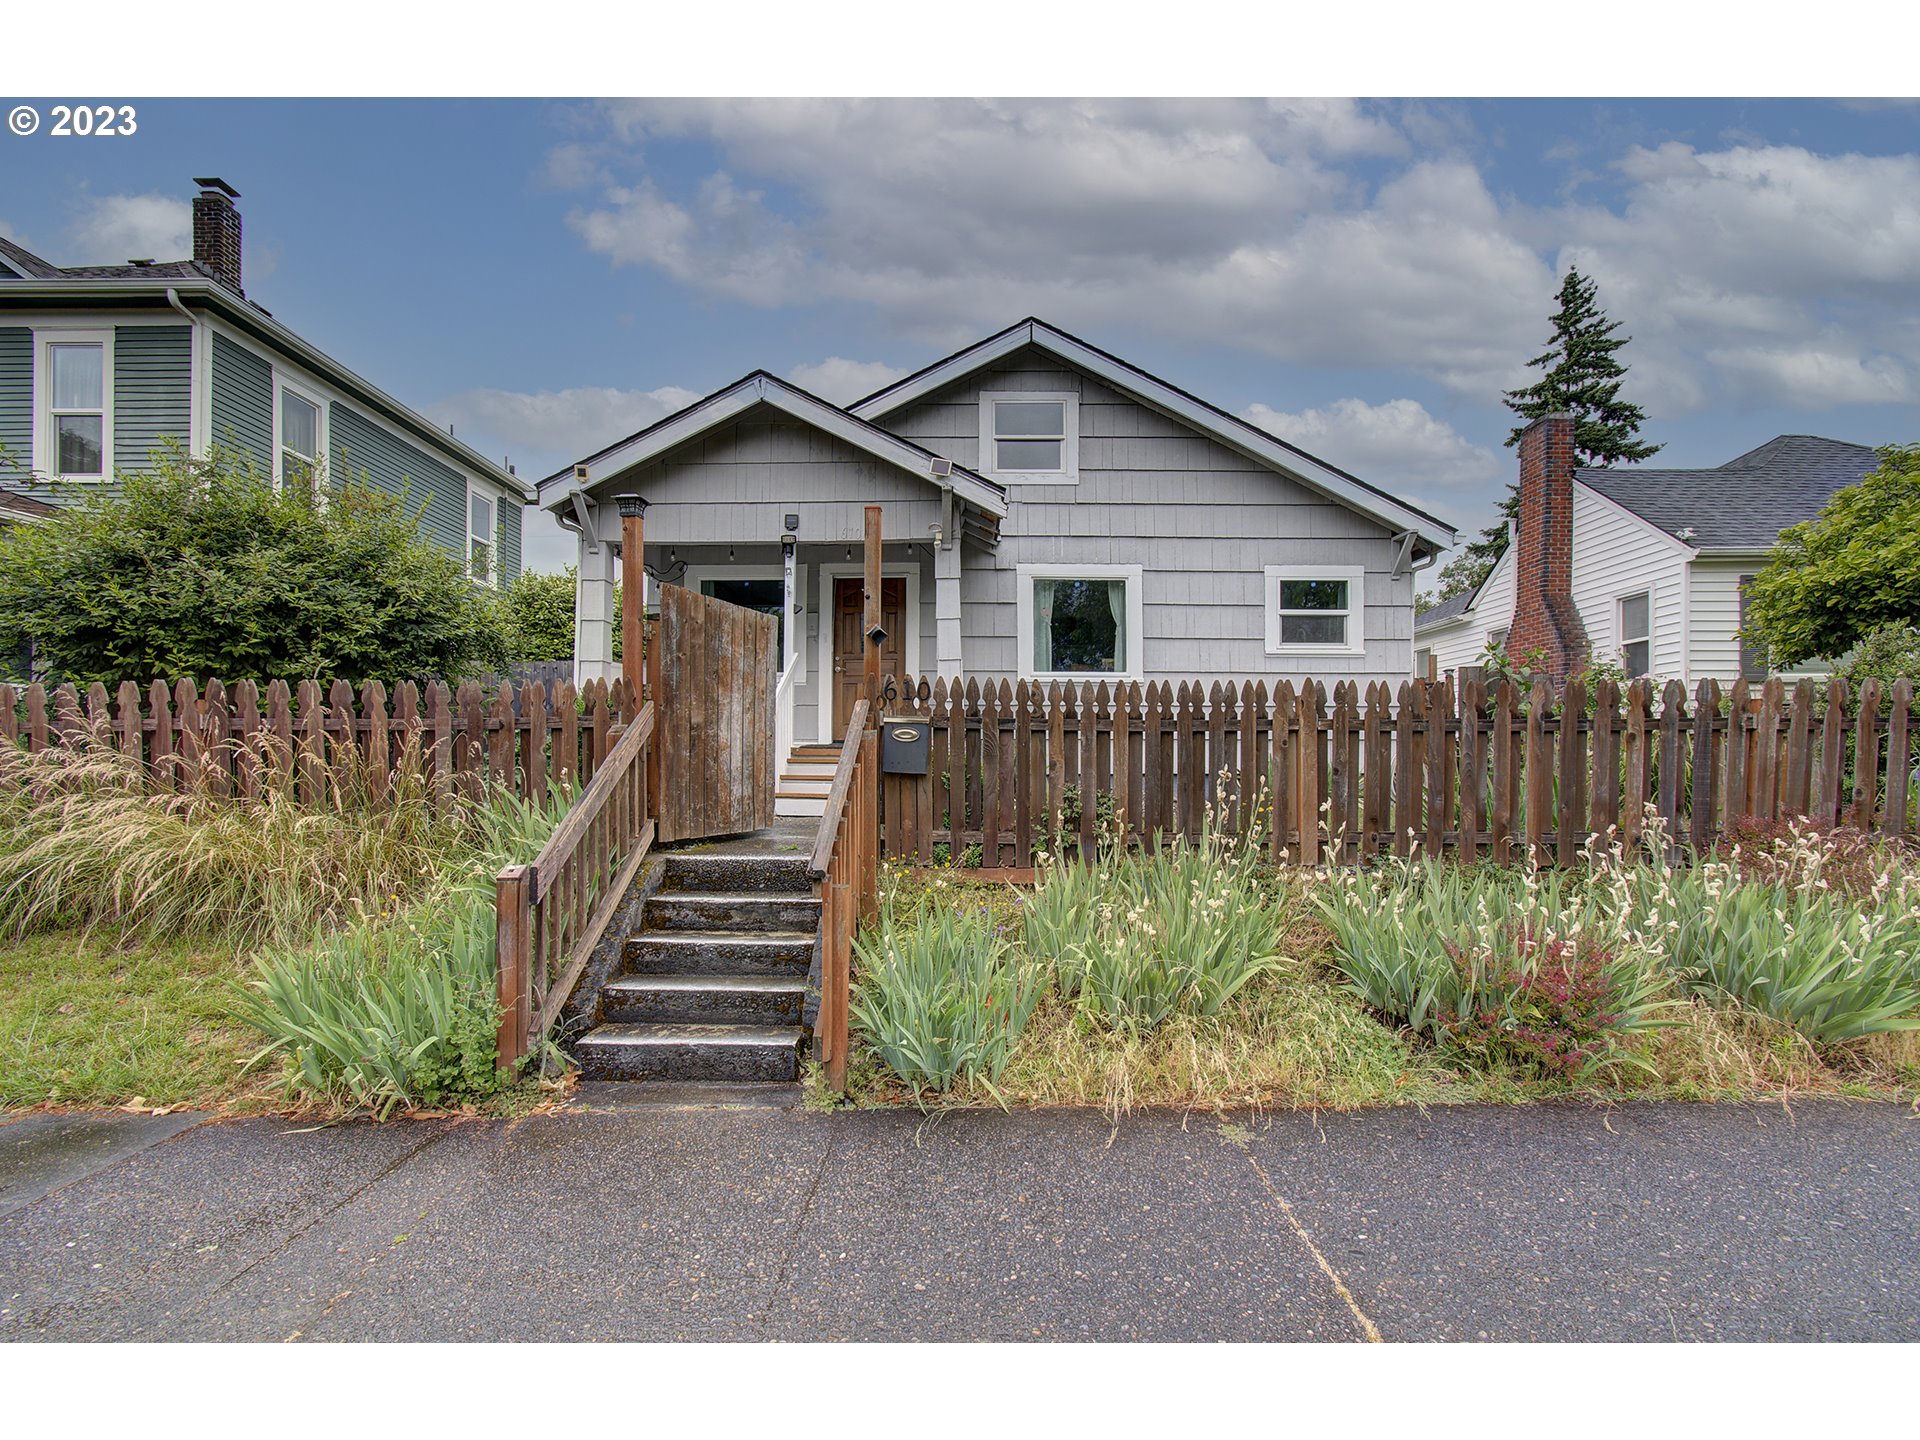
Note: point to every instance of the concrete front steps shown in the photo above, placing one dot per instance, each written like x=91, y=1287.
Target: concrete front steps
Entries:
x=805, y=777
x=712, y=980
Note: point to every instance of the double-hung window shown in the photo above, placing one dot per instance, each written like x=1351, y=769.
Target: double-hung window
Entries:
x=1315, y=610
x=299, y=439
x=1030, y=437
x=1636, y=633
x=1080, y=622
x=77, y=408
x=480, y=534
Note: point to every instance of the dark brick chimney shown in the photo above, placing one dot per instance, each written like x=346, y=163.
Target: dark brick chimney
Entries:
x=216, y=230
x=1543, y=615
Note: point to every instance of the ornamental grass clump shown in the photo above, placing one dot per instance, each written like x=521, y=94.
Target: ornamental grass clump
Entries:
x=87, y=837
x=1495, y=967
x=400, y=1007
x=943, y=998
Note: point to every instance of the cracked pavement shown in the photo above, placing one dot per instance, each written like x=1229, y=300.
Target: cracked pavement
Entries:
x=1550, y=1222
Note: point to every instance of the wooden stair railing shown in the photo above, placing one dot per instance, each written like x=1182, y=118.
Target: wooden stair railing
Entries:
x=846, y=877
x=549, y=914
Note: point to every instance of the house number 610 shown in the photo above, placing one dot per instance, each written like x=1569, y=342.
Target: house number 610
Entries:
x=93, y=120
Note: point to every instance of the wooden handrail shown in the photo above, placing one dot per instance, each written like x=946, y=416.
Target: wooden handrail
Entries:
x=550, y=913
x=829, y=831
x=846, y=872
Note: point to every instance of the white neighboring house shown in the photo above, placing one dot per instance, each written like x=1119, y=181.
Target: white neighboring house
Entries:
x=1659, y=561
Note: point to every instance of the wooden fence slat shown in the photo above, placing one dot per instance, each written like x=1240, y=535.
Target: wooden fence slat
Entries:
x=1569, y=817
x=1894, y=822
x=1539, y=774
x=1866, y=758
x=1833, y=740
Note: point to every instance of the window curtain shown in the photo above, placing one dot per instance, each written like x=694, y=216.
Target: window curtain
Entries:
x=1117, y=603
x=1043, y=626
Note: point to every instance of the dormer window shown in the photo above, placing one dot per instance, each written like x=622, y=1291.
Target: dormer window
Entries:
x=1030, y=438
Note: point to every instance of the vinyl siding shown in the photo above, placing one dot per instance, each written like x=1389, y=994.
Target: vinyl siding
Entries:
x=243, y=400
x=16, y=396
x=1465, y=640
x=1200, y=519
x=152, y=378
x=362, y=449
x=1615, y=554
x=509, y=538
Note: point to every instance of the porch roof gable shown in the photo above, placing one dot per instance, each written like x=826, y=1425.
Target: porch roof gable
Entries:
x=761, y=388
x=1269, y=450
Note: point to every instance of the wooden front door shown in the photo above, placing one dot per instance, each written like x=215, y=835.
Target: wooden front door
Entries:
x=849, y=639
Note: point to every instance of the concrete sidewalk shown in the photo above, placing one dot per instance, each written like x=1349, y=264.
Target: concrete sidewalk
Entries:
x=1642, y=1222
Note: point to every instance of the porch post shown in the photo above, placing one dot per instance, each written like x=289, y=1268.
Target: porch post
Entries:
x=946, y=593
x=593, y=611
x=870, y=620
x=633, y=583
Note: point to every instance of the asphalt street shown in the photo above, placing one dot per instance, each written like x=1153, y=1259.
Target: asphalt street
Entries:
x=1559, y=1222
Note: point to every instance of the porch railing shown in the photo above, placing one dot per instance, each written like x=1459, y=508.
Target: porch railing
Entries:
x=550, y=913
x=845, y=870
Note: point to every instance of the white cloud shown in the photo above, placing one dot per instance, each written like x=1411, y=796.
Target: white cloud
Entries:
x=545, y=430
x=1398, y=445
x=844, y=381
x=114, y=229
x=1324, y=234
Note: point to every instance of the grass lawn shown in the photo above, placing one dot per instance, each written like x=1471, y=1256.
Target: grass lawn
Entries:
x=94, y=1018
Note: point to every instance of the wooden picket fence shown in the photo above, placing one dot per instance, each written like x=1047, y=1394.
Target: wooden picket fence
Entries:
x=243, y=739
x=1453, y=767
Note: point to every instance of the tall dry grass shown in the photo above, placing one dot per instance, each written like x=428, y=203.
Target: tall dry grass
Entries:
x=87, y=837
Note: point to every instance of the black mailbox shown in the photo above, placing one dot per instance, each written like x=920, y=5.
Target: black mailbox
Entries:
x=903, y=746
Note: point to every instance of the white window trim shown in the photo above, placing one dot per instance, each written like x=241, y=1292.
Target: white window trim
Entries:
x=492, y=497
x=795, y=625
x=1136, y=618
x=46, y=435
x=823, y=653
x=1356, y=578
x=282, y=386
x=1070, y=450
x=1620, y=627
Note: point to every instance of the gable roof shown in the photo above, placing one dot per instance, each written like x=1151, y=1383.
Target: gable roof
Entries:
x=23, y=262
x=1249, y=440
x=762, y=388
x=1454, y=607
x=1745, y=503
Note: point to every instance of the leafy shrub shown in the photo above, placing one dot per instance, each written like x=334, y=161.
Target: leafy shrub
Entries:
x=86, y=837
x=1493, y=965
x=1887, y=653
x=1556, y=1007
x=401, y=1007
x=202, y=567
x=536, y=612
x=943, y=998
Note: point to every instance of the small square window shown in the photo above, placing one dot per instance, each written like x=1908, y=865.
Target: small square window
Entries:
x=1313, y=611
x=1029, y=435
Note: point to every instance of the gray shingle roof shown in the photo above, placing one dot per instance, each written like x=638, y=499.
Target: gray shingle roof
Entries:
x=27, y=265
x=1745, y=503
x=1452, y=608
x=24, y=262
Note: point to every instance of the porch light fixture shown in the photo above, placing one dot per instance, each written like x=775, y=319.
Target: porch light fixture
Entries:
x=787, y=543
x=631, y=506
x=935, y=535
x=793, y=523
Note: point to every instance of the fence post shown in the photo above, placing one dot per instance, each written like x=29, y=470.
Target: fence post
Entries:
x=513, y=940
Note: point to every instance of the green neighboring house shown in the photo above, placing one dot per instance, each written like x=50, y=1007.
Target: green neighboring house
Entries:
x=100, y=363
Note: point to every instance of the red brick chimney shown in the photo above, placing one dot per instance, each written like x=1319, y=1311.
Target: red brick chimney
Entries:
x=216, y=230
x=1543, y=615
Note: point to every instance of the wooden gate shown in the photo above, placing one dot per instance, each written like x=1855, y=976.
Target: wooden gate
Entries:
x=714, y=670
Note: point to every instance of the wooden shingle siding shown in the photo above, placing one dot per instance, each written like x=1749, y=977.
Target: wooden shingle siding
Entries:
x=16, y=396
x=509, y=539
x=242, y=400
x=151, y=381
x=363, y=449
x=1200, y=519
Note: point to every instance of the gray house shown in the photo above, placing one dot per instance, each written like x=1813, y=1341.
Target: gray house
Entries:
x=1050, y=510
x=99, y=364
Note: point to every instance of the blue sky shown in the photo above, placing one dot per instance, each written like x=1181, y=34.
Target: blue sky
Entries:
x=1362, y=277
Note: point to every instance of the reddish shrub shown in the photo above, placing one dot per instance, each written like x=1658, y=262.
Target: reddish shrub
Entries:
x=1557, y=1007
